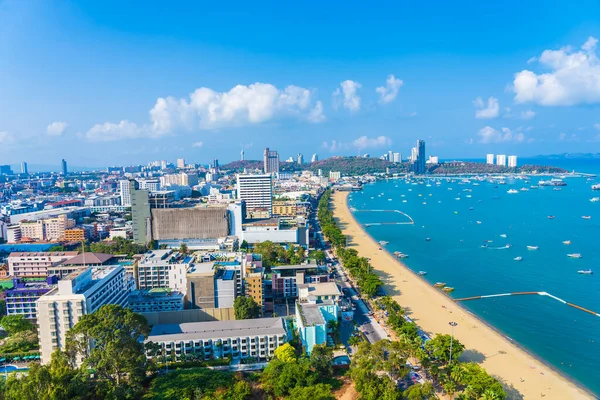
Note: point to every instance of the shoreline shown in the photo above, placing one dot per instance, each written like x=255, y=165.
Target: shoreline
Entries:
x=523, y=374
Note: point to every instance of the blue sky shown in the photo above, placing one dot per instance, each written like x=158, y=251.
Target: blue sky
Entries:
x=102, y=83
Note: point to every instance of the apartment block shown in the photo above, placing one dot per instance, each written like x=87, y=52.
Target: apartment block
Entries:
x=162, y=269
x=36, y=264
x=21, y=299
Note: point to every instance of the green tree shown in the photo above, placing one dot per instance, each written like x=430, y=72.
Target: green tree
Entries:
x=321, y=357
x=420, y=392
x=245, y=307
x=286, y=353
x=57, y=248
x=319, y=391
x=354, y=341
x=318, y=256
x=117, y=355
x=281, y=377
x=183, y=248
x=15, y=323
x=244, y=246
x=438, y=348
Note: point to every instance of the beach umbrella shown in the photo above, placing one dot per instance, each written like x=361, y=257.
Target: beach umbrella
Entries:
x=2, y=359
x=17, y=358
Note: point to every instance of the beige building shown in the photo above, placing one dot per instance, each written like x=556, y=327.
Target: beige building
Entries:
x=78, y=294
x=47, y=229
x=36, y=264
x=285, y=208
x=203, y=222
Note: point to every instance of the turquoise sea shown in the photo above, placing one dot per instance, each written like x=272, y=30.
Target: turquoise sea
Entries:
x=564, y=337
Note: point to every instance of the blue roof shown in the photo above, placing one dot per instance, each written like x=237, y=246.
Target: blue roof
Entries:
x=227, y=263
x=228, y=275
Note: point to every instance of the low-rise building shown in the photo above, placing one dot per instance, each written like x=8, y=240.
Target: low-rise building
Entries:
x=155, y=300
x=162, y=269
x=20, y=300
x=254, y=281
x=285, y=278
x=257, y=338
x=214, y=284
x=76, y=235
x=35, y=264
x=80, y=262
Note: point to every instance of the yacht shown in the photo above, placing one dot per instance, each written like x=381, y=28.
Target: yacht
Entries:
x=503, y=235
x=550, y=217
x=478, y=222
x=421, y=273
x=552, y=182
x=574, y=255
x=383, y=242
x=524, y=189
x=566, y=242
x=586, y=217
x=512, y=191
x=595, y=199
x=448, y=289
x=428, y=239
x=440, y=284
x=585, y=272
x=532, y=247
x=557, y=189
x=596, y=186
x=534, y=186
x=518, y=258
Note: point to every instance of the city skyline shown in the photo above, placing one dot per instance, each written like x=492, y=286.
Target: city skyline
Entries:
x=172, y=89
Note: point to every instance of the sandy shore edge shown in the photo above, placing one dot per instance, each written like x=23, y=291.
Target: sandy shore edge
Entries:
x=525, y=376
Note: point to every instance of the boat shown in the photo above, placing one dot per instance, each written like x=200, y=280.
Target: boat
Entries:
x=557, y=189
x=512, y=191
x=595, y=199
x=471, y=208
x=574, y=255
x=550, y=217
x=448, y=289
x=478, y=222
x=532, y=247
x=586, y=217
x=552, y=182
x=440, y=284
x=428, y=239
x=585, y=272
x=421, y=273
x=397, y=253
x=503, y=235
x=383, y=242
x=596, y=186
x=518, y=258
x=534, y=187
x=524, y=189
x=484, y=246
x=566, y=242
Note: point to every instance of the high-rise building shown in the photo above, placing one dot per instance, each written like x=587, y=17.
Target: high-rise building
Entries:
x=433, y=160
x=242, y=155
x=413, y=154
x=140, y=213
x=314, y=158
x=125, y=193
x=181, y=163
x=421, y=156
x=397, y=158
x=24, y=169
x=256, y=191
x=163, y=164
x=271, y=161
x=64, y=166
x=5, y=170
x=300, y=158
x=501, y=160
x=512, y=161
x=390, y=156
x=489, y=159
x=80, y=293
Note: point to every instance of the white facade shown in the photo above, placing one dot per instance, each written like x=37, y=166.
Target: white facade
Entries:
x=125, y=193
x=152, y=185
x=433, y=160
x=397, y=158
x=76, y=295
x=512, y=161
x=501, y=160
x=314, y=158
x=158, y=269
x=180, y=163
x=414, y=153
x=489, y=159
x=256, y=191
x=335, y=175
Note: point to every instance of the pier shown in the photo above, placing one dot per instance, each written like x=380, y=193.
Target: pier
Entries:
x=529, y=293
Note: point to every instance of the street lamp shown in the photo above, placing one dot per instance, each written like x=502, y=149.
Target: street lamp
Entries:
x=452, y=324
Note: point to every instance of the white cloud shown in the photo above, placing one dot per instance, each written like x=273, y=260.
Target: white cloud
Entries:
x=487, y=134
x=198, y=144
x=492, y=110
x=242, y=105
x=6, y=138
x=107, y=131
x=351, y=100
x=56, y=128
x=563, y=137
x=574, y=78
x=389, y=92
x=528, y=114
x=363, y=142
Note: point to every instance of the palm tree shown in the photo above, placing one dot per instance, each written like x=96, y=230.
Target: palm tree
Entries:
x=459, y=374
x=489, y=394
x=354, y=341
x=332, y=325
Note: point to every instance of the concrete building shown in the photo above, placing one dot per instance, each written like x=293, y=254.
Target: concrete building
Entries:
x=13, y=234
x=64, y=167
x=47, y=229
x=151, y=185
x=285, y=278
x=35, y=264
x=181, y=179
x=155, y=300
x=76, y=295
x=76, y=235
x=397, y=158
x=75, y=213
x=314, y=158
x=418, y=158
x=501, y=160
x=254, y=278
x=214, y=284
x=202, y=222
x=512, y=161
x=300, y=159
x=181, y=163
x=81, y=262
x=271, y=161
x=256, y=191
x=24, y=169
x=162, y=269
x=489, y=159
x=140, y=213
x=285, y=208
x=20, y=300
x=256, y=338
x=335, y=176
x=433, y=160
x=125, y=191
x=317, y=305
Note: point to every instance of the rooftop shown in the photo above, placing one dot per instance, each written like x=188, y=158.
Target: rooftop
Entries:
x=311, y=314
x=44, y=254
x=89, y=258
x=291, y=267
x=217, y=329
x=320, y=289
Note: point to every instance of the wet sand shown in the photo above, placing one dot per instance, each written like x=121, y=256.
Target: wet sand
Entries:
x=524, y=376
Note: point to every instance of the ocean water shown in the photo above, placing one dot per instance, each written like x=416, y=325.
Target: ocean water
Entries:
x=564, y=337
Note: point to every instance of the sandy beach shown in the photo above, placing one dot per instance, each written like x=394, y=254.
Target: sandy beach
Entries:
x=524, y=376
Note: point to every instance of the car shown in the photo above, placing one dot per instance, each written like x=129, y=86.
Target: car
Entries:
x=380, y=248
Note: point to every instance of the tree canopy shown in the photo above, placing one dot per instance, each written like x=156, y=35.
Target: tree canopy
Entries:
x=245, y=307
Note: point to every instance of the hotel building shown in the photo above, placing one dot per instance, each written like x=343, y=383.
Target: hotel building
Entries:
x=501, y=160
x=36, y=264
x=257, y=192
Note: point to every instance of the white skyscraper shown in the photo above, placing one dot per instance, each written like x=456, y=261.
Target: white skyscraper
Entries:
x=414, y=154
x=397, y=158
x=501, y=160
x=489, y=159
x=314, y=158
x=512, y=161
x=180, y=163
x=256, y=191
x=125, y=193
x=390, y=156
x=163, y=164
x=242, y=155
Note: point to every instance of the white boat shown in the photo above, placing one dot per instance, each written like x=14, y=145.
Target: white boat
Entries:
x=503, y=235
x=557, y=189
x=566, y=242
x=421, y=273
x=596, y=186
x=585, y=272
x=512, y=191
x=524, y=189
x=586, y=217
x=532, y=247
x=518, y=258
x=478, y=222
x=574, y=255
x=383, y=242
x=595, y=199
